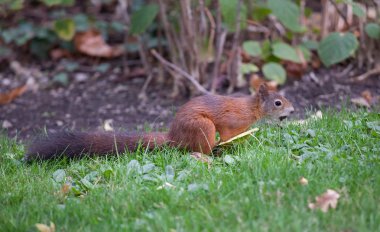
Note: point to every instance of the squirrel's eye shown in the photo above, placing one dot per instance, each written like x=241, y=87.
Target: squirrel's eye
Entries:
x=277, y=103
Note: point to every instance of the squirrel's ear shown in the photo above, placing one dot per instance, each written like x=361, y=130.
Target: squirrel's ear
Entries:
x=263, y=91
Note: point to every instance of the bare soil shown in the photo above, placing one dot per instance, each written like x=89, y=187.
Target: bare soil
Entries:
x=92, y=98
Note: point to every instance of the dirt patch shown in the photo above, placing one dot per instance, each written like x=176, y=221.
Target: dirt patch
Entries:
x=91, y=99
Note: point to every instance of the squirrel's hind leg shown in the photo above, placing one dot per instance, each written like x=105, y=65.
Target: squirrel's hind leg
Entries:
x=195, y=135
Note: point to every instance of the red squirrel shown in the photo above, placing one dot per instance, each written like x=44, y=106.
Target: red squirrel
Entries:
x=193, y=128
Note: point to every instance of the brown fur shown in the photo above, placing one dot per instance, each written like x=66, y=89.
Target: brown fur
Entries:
x=194, y=128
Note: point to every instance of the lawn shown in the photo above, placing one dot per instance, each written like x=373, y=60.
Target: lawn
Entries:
x=253, y=186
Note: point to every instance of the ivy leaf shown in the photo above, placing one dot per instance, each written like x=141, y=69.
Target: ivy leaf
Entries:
x=285, y=52
x=65, y=29
x=275, y=72
x=373, y=30
x=337, y=47
x=252, y=48
x=287, y=12
x=143, y=18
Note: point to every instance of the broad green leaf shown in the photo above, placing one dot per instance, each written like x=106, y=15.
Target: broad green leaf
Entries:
x=266, y=48
x=373, y=30
x=287, y=12
x=143, y=18
x=248, y=68
x=65, y=29
x=16, y=5
x=260, y=13
x=358, y=10
x=228, y=9
x=285, y=52
x=252, y=48
x=311, y=44
x=337, y=47
x=275, y=72
x=59, y=175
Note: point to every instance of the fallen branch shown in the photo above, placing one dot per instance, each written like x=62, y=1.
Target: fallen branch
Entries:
x=367, y=74
x=167, y=64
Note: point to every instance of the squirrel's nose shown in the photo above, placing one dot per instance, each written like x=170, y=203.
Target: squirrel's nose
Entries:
x=291, y=110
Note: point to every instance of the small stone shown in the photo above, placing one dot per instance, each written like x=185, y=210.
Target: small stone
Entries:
x=6, y=81
x=59, y=123
x=7, y=124
x=81, y=77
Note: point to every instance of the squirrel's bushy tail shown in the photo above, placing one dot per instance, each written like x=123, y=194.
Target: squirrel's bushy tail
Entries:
x=78, y=144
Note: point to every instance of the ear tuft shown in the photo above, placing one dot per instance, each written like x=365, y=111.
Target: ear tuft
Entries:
x=263, y=92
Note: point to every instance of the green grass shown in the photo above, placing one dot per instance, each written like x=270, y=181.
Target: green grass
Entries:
x=258, y=190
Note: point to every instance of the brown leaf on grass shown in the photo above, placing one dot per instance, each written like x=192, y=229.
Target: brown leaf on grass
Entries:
x=201, y=157
x=360, y=101
x=367, y=95
x=92, y=43
x=45, y=228
x=327, y=200
x=256, y=81
x=65, y=189
x=6, y=98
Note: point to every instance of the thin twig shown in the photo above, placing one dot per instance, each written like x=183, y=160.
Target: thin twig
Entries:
x=147, y=68
x=341, y=14
x=367, y=74
x=233, y=70
x=219, y=44
x=172, y=66
x=212, y=30
x=173, y=45
x=325, y=19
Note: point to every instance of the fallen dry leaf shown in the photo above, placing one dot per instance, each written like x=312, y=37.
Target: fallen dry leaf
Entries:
x=45, y=228
x=367, y=95
x=327, y=200
x=303, y=181
x=92, y=43
x=11, y=95
x=65, y=189
x=201, y=157
x=244, y=134
x=360, y=101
